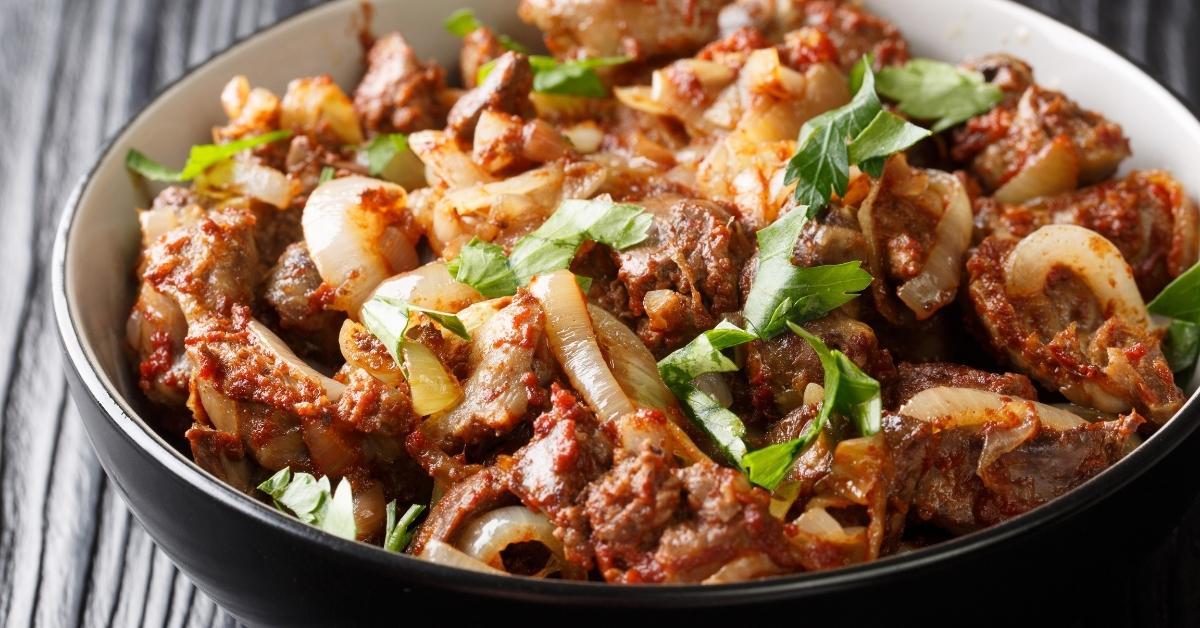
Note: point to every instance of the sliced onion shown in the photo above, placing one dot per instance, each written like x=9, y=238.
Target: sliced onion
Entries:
x=641, y=98
x=1054, y=170
x=405, y=169
x=1091, y=256
x=569, y=330
x=313, y=104
x=380, y=365
x=937, y=283
x=245, y=177
x=745, y=568
x=352, y=229
x=429, y=286
x=630, y=362
x=961, y=407
x=436, y=551
x=474, y=316
x=267, y=339
x=585, y=136
x=433, y=388
x=489, y=534
x=444, y=161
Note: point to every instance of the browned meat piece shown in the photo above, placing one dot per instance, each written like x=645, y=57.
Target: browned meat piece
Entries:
x=908, y=443
x=971, y=483
x=483, y=491
x=478, y=47
x=223, y=456
x=510, y=370
x=208, y=266
x=832, y=237
x=399, y=93
x=913, y=378
x=628, y=509
x=684, y=276
x=779, y=369
x=505, y=90
x=853, y=30
x=1004, y=142
x=383, y=416
x=155, y=332
x=567, y=452
x=1146, y=214
x=636, y=28
x=1062, y=337
x=295, y=290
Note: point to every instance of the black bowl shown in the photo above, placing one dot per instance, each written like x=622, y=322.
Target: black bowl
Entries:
x=266, y=568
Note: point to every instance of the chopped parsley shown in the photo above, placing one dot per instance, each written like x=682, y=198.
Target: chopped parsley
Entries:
x=1180, y=300
x=568, y=78
x=932, y=90
x=387, y=319
x=200, y=158
x=382, y=149
x=312, y=501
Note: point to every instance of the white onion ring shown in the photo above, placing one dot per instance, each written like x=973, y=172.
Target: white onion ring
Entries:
x=569, y=330
x=1089, y=255
x=436, y=551
x=355, y=246
x=937, y=283
x=961, y=407
x=487, y=535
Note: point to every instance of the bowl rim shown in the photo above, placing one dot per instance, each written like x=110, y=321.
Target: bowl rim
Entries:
x=111, y=403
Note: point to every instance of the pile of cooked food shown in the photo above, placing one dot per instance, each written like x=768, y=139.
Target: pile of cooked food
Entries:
x=709, y=291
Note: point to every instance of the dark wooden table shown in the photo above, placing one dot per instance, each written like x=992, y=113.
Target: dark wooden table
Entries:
x=72, y=73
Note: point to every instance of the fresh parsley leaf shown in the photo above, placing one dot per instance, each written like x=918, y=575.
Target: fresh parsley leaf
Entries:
x=848, y=391
x=1181, y=298
x=388, y=318
x=312, y=501
x=821, y=165
x=782, y=291
x=398, y=534
x=463, y=22
x=326, y=175
x=200, y=158
x=704, y=355
x=483, y=266
x=1181, y=346
x=551, y=246
x=570, y=78
x=932, y=90
x=382, y=149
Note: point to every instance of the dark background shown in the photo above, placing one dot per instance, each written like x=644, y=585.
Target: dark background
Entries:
x=70, y=74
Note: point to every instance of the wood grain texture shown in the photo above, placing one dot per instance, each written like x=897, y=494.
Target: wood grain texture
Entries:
x=70, y=553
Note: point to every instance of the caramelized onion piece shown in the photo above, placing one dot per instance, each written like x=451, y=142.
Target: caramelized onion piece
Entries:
x=569, y=330
x=436, y=551
x=961, y=407
x=1086, y=253
x=429, y=286
x=353, y=229
x=1054, y=170
x=937, y=283
x=489, y=534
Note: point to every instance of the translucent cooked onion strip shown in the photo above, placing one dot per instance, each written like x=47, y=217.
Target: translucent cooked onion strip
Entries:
x=1054, y=170
x=444, y=554
x=961, y=407
x=489, y=534
x=630, y=361
x=433, y=388
x=1091, y=256
x=429, y=286
x=937, y=283
x=351, y=227
x=569, y=331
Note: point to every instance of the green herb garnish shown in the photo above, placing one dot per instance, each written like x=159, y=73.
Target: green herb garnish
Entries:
x=200, y=158
x=1180, y=300
x=312, y=501
x=569, y=78
x=382, y=149
x=398, y=534
x=784, y=292
x=387, y=319
x=821, y=165
x=463, y=22
x=326, y=175
x=932, y=90
x=848, y=391
x=551, y=246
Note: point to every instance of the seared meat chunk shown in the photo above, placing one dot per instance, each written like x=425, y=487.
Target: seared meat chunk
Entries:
x=399, y=93
x=155, y=332
x=505, y=90
x=684, y=276
x=1071, y=340
x=1042, y=129
x=206, y=267
x=1146, y=214
x=485, y=490
x=981, y=475
x=779, y=369
x=913, y=378
x=222, y=455
x=295, y=290
x=641, y=29
x=478, y=48
x=567, y=452
x=853, y=30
